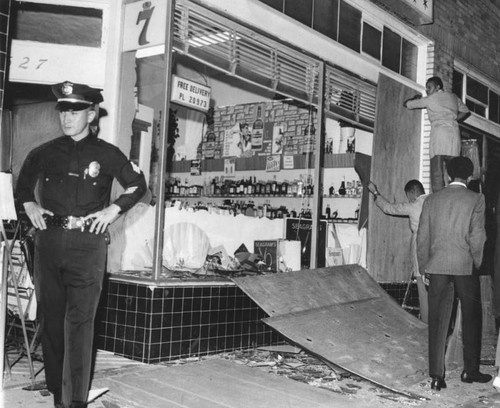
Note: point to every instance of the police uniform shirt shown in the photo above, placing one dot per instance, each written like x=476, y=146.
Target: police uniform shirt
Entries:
x=76, y=177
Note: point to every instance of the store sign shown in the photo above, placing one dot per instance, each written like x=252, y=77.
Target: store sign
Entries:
x=144, y=25
x=190, y=94
x=45, y=63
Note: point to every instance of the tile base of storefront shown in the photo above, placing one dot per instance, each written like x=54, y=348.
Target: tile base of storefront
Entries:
x=153, y=323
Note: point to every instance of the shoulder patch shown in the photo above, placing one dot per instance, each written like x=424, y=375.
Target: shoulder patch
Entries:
x=136, y=167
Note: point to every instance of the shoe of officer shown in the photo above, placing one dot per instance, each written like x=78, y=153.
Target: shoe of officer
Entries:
x=475, y=377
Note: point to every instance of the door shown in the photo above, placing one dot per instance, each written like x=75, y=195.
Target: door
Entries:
x=395, y=161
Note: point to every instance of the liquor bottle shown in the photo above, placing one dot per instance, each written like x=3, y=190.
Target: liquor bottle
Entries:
x=268, y=188
x=251, y=186
x=328, y=211
x=309, y=186
x=258, y=130
x=284, y=188
x=274, y=186
x=309, y=132
x=331, y=191
x=168, y=187
x=300, y=187
x=212, y=187
x=342, y=190
x=294, y=188
x=210, y=137
x=176, y=188
x=217, y=190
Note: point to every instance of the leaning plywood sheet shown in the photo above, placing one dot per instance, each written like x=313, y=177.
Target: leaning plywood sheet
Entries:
x=283, y=293
x=371, y=338
x=343, y=316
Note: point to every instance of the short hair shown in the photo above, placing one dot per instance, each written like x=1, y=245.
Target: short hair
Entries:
x=460, y=167
x=436, y=81
x=414, y=186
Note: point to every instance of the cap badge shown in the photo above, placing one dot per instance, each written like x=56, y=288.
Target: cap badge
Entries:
x=67, y=88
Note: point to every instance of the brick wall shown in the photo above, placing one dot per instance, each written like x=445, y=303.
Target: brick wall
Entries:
x=463, y=29
x=4, y=26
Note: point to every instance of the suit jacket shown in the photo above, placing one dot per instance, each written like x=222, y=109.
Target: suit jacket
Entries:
x=451, y=232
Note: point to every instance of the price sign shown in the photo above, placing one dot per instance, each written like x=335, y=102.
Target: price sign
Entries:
x=190, y=94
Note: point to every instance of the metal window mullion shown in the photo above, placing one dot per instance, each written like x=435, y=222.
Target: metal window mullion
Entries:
x=183, y=27
x=162, y=148
x=276, y=71
x=318, y=166
x=233, y=55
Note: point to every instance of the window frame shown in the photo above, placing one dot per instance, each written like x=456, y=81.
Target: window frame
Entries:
x=467, y=73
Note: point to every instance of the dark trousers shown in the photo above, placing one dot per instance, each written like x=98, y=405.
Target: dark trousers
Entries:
x=439, y=174
x=441, y=297
x=69, y=270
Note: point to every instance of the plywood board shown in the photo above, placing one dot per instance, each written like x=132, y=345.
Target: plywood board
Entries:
x=372, y=338
x=344, y=317
x=289, y=292
x=218, y=383
x=395, y=161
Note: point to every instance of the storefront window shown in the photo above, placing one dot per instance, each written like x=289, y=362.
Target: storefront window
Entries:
x=58, y=24
x=346, y=24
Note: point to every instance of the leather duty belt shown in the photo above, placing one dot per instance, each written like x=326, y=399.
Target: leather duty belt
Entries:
x=70, y=222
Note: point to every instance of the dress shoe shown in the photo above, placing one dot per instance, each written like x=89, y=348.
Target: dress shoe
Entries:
x=437, y=383
x=475, y=377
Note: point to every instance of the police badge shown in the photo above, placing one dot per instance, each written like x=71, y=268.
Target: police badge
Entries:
x=93, y=170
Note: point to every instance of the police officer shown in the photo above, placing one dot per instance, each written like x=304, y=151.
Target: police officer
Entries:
x=74, y=174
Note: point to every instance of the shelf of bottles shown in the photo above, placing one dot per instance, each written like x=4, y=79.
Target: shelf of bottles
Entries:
x=220, y=187
x=255, y=198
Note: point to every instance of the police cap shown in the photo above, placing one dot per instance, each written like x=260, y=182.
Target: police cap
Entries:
x=71, y=96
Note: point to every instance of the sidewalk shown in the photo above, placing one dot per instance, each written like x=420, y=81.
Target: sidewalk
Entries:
x=248, y=378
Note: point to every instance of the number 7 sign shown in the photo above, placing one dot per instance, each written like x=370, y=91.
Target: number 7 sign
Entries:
x=144, y=24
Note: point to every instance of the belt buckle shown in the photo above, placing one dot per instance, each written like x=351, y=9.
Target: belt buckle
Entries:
x=75, y=222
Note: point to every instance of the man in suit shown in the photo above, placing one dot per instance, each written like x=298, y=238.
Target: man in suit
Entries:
x=450, y=241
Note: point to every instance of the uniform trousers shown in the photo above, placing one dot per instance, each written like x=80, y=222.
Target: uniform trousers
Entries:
x=442, y=290
x=69, y=271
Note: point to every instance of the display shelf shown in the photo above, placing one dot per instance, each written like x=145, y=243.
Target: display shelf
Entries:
x=301, y=161
x=225, y=196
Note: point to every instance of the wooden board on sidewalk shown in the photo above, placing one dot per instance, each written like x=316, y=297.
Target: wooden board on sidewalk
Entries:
x=217, y=383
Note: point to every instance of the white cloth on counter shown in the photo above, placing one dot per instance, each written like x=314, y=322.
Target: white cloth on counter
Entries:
x=228, y=230
x=132, y=239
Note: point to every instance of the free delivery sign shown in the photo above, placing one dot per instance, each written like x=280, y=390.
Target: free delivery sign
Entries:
x=190, y=94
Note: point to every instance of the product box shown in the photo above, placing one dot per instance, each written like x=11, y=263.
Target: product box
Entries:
x=279, y=254
x=268, y=250
x=301, y=229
